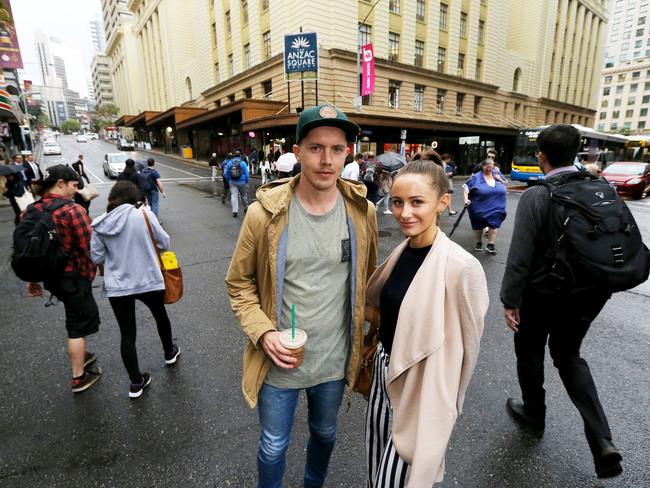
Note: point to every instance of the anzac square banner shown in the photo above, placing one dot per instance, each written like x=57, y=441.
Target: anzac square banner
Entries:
x=301, y=56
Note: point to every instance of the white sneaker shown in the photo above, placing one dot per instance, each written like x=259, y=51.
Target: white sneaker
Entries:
x=387, y=212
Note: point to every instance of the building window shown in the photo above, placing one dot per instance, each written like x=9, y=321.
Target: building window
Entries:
x=627, y=125
x=419, y=54
x=267, y=88
x=247, y=56
x=463, y=25
x=228, y=27
x=244, y=12
x=616, y=114
x=248, y=92
x=420, y=9
x=646, y=86
x=442, y=54
x=614, y=126
x=393, y=94
x=634, y=87
x=603, y=103
x=231, y=98
x=639, y=32
x=460, y=98
x=444, y=8
x=629, y=113
x=515, y=80
x=645, y=99
x=602, y=116
x=641, y=125
x=617, y=102
x=266, y=41
x=608, y=80
x=479, y=67
x=231, y=66
x=641, y=21
x=606, y=91
x=264, y=5
x=216, y=72
x=440, y=100
x=393, y=6
x=460, y=71
x=631, y=100
x=188, y=85
x=481, y=32
x=393, y=46
x=214, y=35
x=477, y=106
x=366, y=34
x=418, y=98
x=622, y=76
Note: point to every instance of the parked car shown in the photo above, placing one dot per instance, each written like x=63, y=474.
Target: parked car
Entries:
x=629, y=178
x=51, y=147
x=124, y=145
x=114, y=164
x=92, y=136
x=81, y=138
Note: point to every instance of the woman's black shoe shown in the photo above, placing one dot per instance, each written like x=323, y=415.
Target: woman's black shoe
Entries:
x=607, y=459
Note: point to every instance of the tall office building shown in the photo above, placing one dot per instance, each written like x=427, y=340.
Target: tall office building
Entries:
x=97, y=37
x=102, y=83
x=624, y=98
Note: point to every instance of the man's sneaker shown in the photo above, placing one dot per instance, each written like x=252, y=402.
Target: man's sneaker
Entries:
x=172, y=357
x=387, y=212
x=136, y=388
x=491, y=249
x=89, y=359
x=479, y=246
x=88, y=379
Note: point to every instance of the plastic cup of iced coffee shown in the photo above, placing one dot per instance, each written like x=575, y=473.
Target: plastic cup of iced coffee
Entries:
x=295, y=342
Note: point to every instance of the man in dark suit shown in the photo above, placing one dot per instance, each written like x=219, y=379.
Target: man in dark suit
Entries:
x=32, y=170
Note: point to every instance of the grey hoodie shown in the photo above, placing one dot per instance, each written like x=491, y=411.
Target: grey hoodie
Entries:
x=121, y=241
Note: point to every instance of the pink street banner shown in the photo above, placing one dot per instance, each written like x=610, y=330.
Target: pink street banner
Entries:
x=9, y=49
x=367, y=70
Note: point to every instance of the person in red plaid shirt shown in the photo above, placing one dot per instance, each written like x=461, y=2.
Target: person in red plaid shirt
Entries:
x=74, y=287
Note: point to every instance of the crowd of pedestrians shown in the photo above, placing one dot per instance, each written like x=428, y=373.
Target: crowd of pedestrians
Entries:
x=306, y=258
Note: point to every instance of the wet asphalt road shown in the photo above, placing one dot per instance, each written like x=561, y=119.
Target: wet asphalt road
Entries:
x=192, y=426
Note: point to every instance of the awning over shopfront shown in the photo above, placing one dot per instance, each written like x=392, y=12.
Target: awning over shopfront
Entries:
x=8, y=110
x=243, y=110
x=141, y=120
x=123, y=120
x=174, y=116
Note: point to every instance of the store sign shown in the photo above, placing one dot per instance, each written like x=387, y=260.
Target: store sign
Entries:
x=9, y=49
x=367, y=70
x=301, y=56
x=434, y=144
x=469, y=140
x=403, y=134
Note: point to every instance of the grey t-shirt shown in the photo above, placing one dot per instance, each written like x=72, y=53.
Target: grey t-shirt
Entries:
x=317, y=281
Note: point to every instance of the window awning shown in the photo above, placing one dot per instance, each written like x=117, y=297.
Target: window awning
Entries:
x=248, y=109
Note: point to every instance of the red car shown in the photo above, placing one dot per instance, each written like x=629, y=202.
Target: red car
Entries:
x=631, y=179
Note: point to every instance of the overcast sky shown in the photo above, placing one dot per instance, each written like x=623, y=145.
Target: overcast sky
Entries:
x=68, y=20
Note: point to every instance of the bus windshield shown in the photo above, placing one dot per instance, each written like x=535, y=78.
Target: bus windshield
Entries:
x=525, y=149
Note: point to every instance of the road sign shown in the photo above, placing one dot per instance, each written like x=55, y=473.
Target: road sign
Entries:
x=301, y=56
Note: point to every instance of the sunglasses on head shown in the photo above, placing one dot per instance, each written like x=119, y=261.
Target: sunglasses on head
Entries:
x=490, y=156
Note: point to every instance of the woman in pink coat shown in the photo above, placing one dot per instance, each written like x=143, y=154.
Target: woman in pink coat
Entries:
x=431, y=297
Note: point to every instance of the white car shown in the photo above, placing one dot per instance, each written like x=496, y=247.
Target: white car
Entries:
x=82, y=138
x=92, y=136
x=114, y=164
x=51, y=147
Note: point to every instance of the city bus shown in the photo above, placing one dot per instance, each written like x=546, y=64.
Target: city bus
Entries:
x=595, y=147
x=637, y=148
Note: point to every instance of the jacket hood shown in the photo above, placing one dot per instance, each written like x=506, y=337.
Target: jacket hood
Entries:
x=276, y=195
x=112, y=223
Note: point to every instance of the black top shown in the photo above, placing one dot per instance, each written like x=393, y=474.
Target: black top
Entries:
x=394, y=290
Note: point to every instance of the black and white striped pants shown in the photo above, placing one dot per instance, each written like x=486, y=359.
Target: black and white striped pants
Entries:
x=385, y=468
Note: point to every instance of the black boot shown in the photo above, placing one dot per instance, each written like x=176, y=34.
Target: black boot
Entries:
x=607, y=459
x=522, y=415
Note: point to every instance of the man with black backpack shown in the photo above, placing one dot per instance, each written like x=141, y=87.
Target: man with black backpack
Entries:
x=236, y=174
x=574, y=243
x=52, y=246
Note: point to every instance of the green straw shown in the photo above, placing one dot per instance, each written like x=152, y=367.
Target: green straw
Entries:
x=293, y=320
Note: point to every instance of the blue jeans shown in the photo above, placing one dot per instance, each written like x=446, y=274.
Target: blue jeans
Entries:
x=277, y=408
x=153, y=197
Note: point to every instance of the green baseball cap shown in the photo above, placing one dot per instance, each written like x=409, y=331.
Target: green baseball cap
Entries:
x=325, y=115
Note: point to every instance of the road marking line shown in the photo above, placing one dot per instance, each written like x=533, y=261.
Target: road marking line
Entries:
x=181, y=170
x=98, y=178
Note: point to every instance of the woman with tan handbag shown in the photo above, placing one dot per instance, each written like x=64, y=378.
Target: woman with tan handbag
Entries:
x=431, y=298
x=122, y=241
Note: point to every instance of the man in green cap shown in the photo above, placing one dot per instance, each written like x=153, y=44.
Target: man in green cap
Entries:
x=310, y=243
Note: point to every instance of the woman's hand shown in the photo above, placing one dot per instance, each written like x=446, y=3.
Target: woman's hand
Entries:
x=468, y=203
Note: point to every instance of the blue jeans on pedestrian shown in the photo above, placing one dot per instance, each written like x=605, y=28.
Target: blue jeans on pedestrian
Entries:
x=153, y=197
x=277, y=408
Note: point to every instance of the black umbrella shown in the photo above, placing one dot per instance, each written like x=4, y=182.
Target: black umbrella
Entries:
x=391, y=161
x=10, y=169
x=457, y=221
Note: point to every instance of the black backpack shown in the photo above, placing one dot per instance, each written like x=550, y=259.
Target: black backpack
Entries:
x=148, y=181
x=235, y=172
x=597, y=243
x=37, y=254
